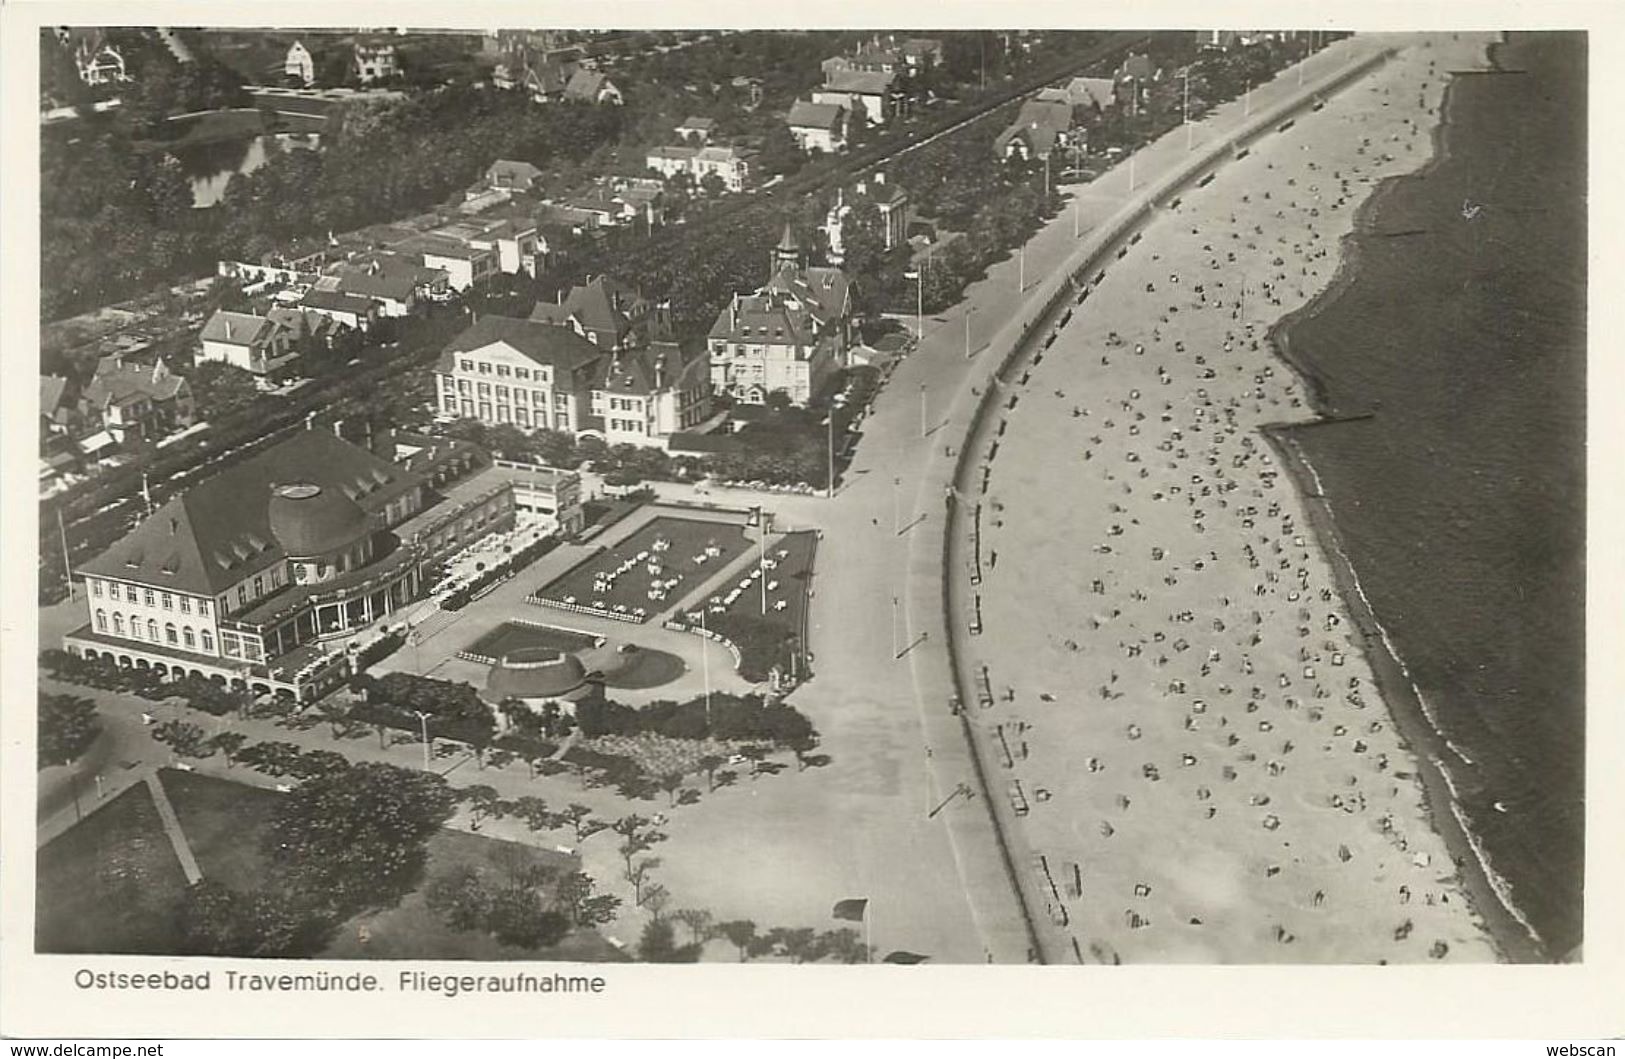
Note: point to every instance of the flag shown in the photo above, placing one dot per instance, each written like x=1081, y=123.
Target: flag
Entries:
x=902, y=956
x=853, y=908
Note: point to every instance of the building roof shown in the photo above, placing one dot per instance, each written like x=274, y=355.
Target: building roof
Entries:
x=698, y=124
x=308, y=520
x=1040, y=122
x=557, y=347
x=505, y=173
x=604, y=306
x=673, y=153
x=587, y=84
x=238, y=329
x=822, y=290
x=336, y=301
x=765, y=318
x=52, y=390
x=643, y=372
x=1097, y=91
x=384, y=275
x=862, y=82
x=117, y=382
x=302, y=322
x=805, y=115
x=219, y=531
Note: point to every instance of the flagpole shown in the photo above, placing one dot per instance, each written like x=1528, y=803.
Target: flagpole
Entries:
x=761, y=560
x=868, y=946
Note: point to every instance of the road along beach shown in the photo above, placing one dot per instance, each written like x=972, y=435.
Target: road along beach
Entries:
x=1184, y=713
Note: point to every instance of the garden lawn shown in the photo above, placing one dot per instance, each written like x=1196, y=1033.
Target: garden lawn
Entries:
x=107, y=883
x=793, y=559
x=684, y=561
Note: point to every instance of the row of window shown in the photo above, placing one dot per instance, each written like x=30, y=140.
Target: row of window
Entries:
x=630, y=426
x=625, y=404
x=149, y=630
x=149, y=596
x=502, y=371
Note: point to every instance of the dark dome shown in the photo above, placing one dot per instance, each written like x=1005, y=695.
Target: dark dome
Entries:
x=534, y=673
x=308, y=520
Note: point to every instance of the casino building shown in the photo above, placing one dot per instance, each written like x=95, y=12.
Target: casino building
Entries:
x=260, y=576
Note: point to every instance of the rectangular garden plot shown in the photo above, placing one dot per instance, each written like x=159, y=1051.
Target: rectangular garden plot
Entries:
x=770, y=635
x=647, y=572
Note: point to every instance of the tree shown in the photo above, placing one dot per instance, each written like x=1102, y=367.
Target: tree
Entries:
x=223, y=388
x=671, y=783
x=459, y=897
x=357, y=838
x=580, y=818
x=713, y=185
x=709, y=764
x=798, y=943
x=183, y=738
x=575, y=897
x=698, y=922
x=659, y=945
x=215, y=920
x=67, y=727
x=741, y=933
x=229, y=743
x=337, y=711
x=535, y=813
x=518, y=918
x=483, y=803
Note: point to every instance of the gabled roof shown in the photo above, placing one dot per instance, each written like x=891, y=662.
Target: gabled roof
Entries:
x=505, y=173
x=805, y=115
x=642, y=372
x=52, y=389
x=1040, y=122
x=604, y=305
x=1099, y=91
x=301, y=322
x=238, y=329
x=723, y=154
x=587, y=84
x=337, y=301
x=698, y=124
x=822, y=290
x=682, y=154
x=214, y=534
x=117, y=382
x=383, y=275
x=557, y=347
x=863, y=82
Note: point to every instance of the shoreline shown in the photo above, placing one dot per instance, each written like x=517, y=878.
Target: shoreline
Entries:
x=1514, y=938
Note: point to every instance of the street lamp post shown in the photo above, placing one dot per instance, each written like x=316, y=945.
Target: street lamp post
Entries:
x=829, y=482
x=896, y=653
x=705, y=668
x=1021, y=268
x=1189, y=132
x=968, y=310
x=923, y=431
x=918, y=276
x=423, y=723
x=896, y=519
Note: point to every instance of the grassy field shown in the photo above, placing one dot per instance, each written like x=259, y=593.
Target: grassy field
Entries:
x=511, y=636
x=684, y=560
x=107, y=883
x=644, y=667
x=87, y=906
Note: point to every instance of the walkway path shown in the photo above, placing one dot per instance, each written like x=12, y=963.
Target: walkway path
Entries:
x=172, y=828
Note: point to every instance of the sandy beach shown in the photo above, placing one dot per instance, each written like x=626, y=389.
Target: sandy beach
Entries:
x=1208, y=765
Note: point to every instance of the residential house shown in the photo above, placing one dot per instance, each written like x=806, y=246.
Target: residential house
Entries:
x=669, y=161
x=512, y=176
x=645, y=395
x=868, y=94
x=59, y=411
x=255, y=344
x=890, y=200
x=398, y=284
x=1094, y=93
x=590, y=86
x=608, y=313
x=347, y=310
x=463, y=263
x=788, y=336
x=306, y=327
x=138, y=403
x=818, y=126
x=299, y=63
x=527, y=373
x=731, y=164
x=94, y=56
x=751, y=86
x=696, y=130
x=376, y=62
x=1135, y=77
x=922, y=53
x=1041, y=126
